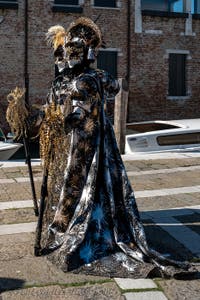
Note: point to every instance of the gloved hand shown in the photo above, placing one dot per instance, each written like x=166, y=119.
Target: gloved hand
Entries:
x=72, y=120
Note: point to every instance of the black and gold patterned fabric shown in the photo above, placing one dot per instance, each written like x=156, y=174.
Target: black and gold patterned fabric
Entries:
x=92, y=221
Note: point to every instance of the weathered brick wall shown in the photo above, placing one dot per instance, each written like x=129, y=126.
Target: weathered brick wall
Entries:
x=40, y=57
x=11, y=55
x=148, y=62
x=149, y=77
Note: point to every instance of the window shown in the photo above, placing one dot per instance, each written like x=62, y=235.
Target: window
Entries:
x=177, y=74
x=69, y=6
x=177, y=6
x=179, y=139
x=107, y=60
x=67, y=2
x=195, y=6
x=9, y=4
x=164, y=5
x=105, y=3
x=161, y=5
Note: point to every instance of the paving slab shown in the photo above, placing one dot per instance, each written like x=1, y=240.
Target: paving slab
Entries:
x=165, y=180
x=146, y=163
x=17, y=216
x=162, y=155
x=16, y=204
x=18, y=191
x=161, y=241
x=167, y=221
x=128, y=283
x=17, y=228
x=27, y=179
x=38, y=271
x=166, y=192
x=106, y=291
x=19, y=163
x=167, y=202
x=192, y=221
x=163, y=171
x=6, y=180
x=145, y=296
x=19, y=266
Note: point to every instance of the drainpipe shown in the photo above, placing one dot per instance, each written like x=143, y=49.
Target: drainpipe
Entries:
x=26, y=75
x=128, y=40
x=26, y=83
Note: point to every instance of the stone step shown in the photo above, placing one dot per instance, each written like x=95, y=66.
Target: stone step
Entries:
x=19, y=179
x=167, y=192
x=139, y=285
x=131, y=284
x=16, y=204
x=17, y=228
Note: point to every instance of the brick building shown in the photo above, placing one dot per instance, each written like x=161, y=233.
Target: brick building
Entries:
x=165, y=58
x=153, y=43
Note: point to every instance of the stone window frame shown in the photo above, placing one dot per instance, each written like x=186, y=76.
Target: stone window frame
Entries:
x=118, y=5
x=188, y=57
x=68, y=8
x=9, y=4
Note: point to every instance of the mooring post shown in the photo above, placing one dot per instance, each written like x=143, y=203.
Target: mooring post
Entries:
x=120, y=114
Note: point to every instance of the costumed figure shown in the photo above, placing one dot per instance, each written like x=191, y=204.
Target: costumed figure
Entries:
x=91, y=221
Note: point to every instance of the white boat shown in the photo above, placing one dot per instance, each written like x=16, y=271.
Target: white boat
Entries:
x=7, y=146
x=161, y=136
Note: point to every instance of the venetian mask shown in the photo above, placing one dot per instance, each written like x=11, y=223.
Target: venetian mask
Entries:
x=74, y=50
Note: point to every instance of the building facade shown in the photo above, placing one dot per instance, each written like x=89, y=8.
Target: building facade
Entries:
x=154, y=44
x=164, y=81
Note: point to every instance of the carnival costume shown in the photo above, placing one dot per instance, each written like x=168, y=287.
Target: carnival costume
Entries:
x=91, y=222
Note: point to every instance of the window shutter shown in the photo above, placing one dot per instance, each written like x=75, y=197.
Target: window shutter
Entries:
x=196, y=8
x=67, y=2
x=105, y=3
x=177, y=77
x=107, y=60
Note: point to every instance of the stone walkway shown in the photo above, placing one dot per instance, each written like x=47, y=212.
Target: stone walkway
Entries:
x=167, y=193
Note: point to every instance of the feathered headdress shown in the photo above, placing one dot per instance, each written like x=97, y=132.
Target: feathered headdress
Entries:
x=85, y=29
x=56, y=36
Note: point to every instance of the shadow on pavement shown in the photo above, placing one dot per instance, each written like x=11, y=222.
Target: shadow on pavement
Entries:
x=7, y=284
x=174, y=232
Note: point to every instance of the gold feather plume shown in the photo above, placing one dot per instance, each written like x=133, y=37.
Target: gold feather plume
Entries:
x=17, y=112
x=56, y=36
x=51, y=135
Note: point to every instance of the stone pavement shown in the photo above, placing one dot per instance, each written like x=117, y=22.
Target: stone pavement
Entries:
x=167, y=191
